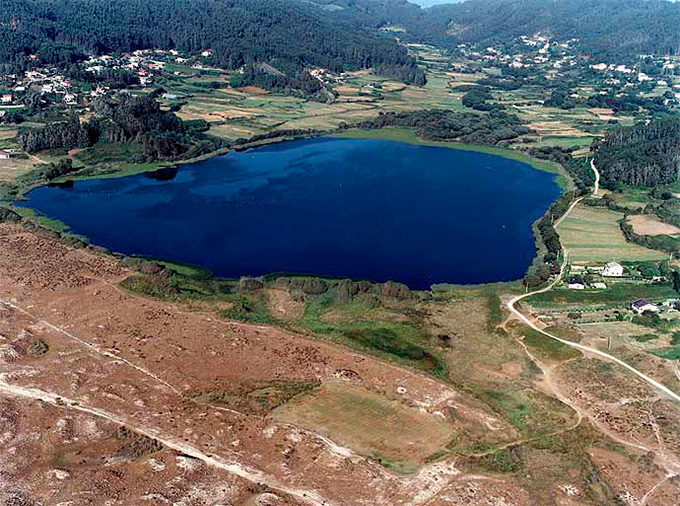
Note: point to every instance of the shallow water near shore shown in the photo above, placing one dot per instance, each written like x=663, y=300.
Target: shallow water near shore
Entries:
x=353, y=208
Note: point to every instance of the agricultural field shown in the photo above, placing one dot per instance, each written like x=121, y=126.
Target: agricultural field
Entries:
x=593, y=235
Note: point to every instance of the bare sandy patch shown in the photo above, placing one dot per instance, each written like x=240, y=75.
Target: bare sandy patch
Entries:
x=282, y=305
x=647, y=225
x=255, y=90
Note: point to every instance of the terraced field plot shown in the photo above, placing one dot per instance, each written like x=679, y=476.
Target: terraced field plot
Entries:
x=594, y=235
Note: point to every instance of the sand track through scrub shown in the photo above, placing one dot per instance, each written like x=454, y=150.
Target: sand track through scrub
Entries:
x=310, y=497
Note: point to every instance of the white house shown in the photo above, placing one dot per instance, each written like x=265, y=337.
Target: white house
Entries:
x=576, y=286
x=599, y=286
x=613, y=269
x=642, y=306
x=670, y=302
x=4, y=154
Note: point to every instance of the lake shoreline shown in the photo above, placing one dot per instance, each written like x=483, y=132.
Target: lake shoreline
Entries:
x=468, y=170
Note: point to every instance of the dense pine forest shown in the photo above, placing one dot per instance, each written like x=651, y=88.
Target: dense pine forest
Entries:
x=608, y=29
x=335, y=34
x=644, y=155
x=238, y=31
x=445, y=125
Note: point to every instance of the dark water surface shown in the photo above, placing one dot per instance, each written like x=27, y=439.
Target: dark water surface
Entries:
x=355, y=208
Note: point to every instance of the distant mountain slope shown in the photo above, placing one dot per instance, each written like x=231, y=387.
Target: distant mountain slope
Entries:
x=610, y=29
x=607, y=28
x=289, y=33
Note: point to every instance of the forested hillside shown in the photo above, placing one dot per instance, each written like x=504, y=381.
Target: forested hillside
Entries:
x=336, y=34
x=238, y=32
x=609, y=29
x=645, y=155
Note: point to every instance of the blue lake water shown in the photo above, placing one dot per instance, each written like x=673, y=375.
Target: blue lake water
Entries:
x=355, y=208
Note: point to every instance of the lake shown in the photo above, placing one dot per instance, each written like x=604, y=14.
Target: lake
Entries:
x=352, y=208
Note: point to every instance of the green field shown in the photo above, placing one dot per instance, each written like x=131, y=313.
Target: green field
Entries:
x=593, y=235
x=618, y=294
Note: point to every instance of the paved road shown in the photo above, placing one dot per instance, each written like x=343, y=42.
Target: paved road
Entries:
x=513, y=309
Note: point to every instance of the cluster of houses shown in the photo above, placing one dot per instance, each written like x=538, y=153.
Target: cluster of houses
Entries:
x=541, y=52
x=551, y=58
x=609, y=270
x=146, y=64
x=616, y=270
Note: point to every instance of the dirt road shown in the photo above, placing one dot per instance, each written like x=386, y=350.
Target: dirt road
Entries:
x=511, y=304
x=255, y=476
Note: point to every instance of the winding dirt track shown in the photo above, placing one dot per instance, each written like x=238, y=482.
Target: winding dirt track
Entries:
x=511, y=304
x=254, y=476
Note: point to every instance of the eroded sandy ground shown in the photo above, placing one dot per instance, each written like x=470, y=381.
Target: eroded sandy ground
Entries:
x=111, y=413
x=134, y=361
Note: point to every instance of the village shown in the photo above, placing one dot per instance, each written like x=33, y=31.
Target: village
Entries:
x=625, y=297
x=94, y=77
x=544, y=58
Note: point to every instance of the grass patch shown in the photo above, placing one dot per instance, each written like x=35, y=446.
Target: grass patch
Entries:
x=502, y=461
x=251, y=308
x=594, y=235
x=645, y=338
x=360, y=324
x=254, y=397
x=675, y=339
x=669, y=353
x=651, y=320
x=39, y=219
x=183, y=269
x=180, y=287
x=546, y=347
x=618, y=293
x=397, y=436
x=495, y=316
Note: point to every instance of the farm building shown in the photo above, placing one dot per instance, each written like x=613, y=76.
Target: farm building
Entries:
x=576, y=286
x=4, y=154
x=600, y=286
x=670, y=302
x=642, y=306
x=613, y=269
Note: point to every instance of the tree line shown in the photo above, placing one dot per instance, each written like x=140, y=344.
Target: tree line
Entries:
x=447, y=125
x=127, y=118
x=239, y=32
x=643, y=154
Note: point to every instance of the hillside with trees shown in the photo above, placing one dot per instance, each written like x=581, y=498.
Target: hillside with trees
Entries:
x=239, y=32
x=127, y=119
x=644, y=154
x=608, y=29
